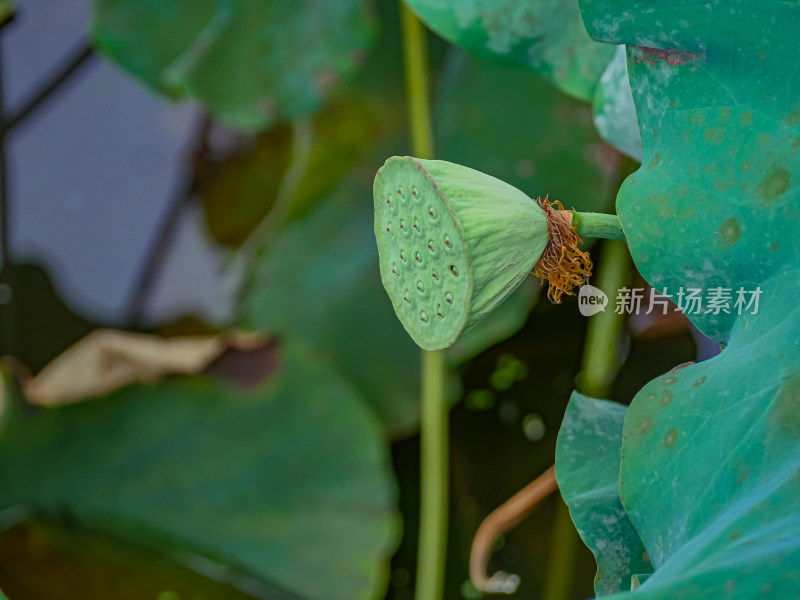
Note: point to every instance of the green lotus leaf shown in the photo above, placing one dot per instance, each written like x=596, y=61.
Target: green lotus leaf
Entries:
x=546, y=36
x=614, y=110
x=714, y=204
x=453, y=243
x=288, y=482
x=587, y=468
x=251, y=63
x=708, y=474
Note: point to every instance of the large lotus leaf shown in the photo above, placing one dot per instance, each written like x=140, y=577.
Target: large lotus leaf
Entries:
x=544, y=35
x=288, y=482
x=319, y=279
x=250, y=62
x=710, y=463
x=537, y=142
x=714, y=204
x=587, y=469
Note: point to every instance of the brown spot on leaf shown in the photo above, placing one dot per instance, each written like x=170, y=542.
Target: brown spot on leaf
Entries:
x=670, y=438
x=671, y=57
x=714, y=135
x=729, y=232
x=666, y=397
x=774, y=185
x=742, y=475
x=722, y=185
x=786, y=409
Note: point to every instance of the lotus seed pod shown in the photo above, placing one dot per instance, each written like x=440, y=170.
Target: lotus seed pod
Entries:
x=453, y=244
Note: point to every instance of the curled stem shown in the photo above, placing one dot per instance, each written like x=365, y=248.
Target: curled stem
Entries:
x=500, y=520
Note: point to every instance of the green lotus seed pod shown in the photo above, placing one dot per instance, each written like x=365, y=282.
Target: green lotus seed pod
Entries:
x=453, y=244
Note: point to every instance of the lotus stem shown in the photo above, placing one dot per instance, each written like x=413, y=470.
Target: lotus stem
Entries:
x=434, y=426
x=597, y=225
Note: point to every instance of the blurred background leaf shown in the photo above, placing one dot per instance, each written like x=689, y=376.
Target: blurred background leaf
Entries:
x=280, y=481
x=107, y=359
x=239, y=191
x=251, y=63
x=81, y=563
x=326, y=263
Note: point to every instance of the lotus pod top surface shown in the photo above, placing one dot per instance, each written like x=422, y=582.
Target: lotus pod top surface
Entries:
x=453, y=243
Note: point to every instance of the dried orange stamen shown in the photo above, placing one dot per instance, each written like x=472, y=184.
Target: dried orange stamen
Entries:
x=562, y=264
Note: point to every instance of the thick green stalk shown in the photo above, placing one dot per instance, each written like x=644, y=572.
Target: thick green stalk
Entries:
x=415, y=60
x=434, y=450
x=601, y=350
x=434, y=430
x=597, y=225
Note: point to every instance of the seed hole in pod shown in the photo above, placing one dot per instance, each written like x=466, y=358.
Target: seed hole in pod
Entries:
x=453, y=270
x=418, y=257
x=423, y=316
x=406, y=296
x=435, y=275
x=415, y=192
x=439, y=312
x=395, y=270
x=403, y=225
x=448, y=297
x=447, y=243
x=432, y=213
x=420, y=287
x=403, y=255
x=430, y=246
x=416, y=225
